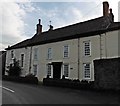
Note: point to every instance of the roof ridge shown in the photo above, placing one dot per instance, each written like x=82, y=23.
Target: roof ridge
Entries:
x=77, y=23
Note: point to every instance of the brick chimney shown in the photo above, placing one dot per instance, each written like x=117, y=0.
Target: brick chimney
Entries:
x=105, y=8
x=39, y=27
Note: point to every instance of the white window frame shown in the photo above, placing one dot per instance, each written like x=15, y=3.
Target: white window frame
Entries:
x=35, y=53
x=22, y=59
x=66, y=51
x=35, y=69
x=12, y=54
x=68, y=72
x=49, y=70
x=85, y=69
x=87, y=48
x=49, y=53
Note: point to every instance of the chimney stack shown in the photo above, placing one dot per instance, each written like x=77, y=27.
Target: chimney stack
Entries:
x=105, y=8
x=39, y=27
x=51, y=28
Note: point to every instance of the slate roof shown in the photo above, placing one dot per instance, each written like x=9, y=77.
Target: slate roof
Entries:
x=82, y=29
x=24, y=43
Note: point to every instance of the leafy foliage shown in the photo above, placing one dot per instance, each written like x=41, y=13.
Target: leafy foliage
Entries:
x=14, y=69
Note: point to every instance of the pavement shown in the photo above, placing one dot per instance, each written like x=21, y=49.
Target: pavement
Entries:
x=18, y=93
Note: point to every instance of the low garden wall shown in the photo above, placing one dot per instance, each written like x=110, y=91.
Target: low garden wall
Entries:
x=107, y=73
x=107, y=77
x=68, y=83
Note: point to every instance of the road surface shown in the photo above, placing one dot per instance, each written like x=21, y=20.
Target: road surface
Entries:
x=0, y=92
x=17, y=93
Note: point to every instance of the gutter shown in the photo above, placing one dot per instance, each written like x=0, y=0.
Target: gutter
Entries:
x=30, y=59
x=78, y=57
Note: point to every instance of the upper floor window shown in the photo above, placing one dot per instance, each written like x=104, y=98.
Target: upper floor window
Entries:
x=12, y=54
x=22, y=60
x=87, y=48
x=66, y=51
x=87, y=70
x=36, y=53
x=66, y=70
x=49, y=55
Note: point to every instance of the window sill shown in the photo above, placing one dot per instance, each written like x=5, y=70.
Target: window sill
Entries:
x=87, y=56
x=66, y=57
x=48, y=59
x=86, y=78
x=66, y=77
x=12, y=58
x=35, y=60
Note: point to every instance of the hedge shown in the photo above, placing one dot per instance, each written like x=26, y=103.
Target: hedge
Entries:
x=29, y=80
x=68, y=83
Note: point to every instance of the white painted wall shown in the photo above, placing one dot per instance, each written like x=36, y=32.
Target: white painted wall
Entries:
x=57, y=56
x=95, y=53
x=112, y=44
x=102, y=46
x=17, y=55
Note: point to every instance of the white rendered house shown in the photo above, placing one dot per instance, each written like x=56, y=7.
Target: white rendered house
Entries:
x=69, y=50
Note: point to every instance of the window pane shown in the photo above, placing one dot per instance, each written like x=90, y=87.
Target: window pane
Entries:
x=36, y=53
x=22, y=60
x=66, y=70
x=35, y=69
x=49, y=53
x=12, y=54
x=87, y=47
x=66, y=51
x=87, y=70
x=49, y=70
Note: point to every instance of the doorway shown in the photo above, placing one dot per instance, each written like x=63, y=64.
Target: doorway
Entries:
x=57, y=69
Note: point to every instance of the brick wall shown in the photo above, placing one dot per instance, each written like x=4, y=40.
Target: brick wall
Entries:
x=107, y=73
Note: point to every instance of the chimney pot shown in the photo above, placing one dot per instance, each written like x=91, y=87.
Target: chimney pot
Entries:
x=111, y=15
x=39, y=27
x=51, y=28
x=39, y=21
x=110, y=10
x=105, y=8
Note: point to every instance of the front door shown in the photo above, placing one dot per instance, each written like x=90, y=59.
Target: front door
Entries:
x=57, y=69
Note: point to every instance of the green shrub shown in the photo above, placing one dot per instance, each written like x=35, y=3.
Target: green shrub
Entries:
x=14, y=69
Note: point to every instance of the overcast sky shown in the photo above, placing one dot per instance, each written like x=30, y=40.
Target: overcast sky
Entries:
x=18, y=18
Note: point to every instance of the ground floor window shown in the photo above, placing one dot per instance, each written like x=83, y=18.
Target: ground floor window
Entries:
x=49, y=70
x=66, y=70
x=87, y=70
x=35, y=69
x=22, y=60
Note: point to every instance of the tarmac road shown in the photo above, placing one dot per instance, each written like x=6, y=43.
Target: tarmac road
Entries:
x=17, y=93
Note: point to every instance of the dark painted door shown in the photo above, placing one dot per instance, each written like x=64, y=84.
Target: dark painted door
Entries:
x=57, y=69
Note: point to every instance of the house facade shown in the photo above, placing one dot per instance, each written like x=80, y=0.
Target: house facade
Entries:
x=70, y=50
